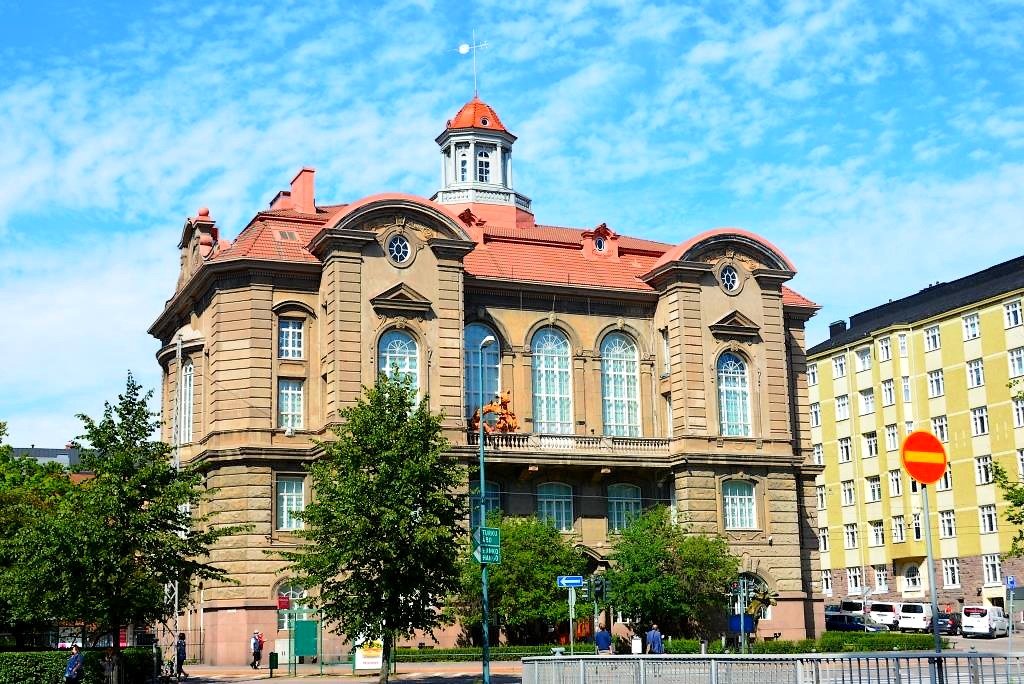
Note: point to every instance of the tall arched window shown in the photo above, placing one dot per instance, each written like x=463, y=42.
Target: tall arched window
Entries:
x=476, y=396
x=483, y=166
x=623, y=505
x=398, y=348
x=738, y=505
x=492, y=501
x=297, y=594
x=554, y=503
x=462, y=155
x=552, y=383
x=185, y=402
x=755, y=584
x=620, y=386
x=733, y=396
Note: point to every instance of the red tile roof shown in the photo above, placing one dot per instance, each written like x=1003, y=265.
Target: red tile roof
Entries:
x=477, y=114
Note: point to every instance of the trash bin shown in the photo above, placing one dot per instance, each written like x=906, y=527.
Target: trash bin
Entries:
x=636, y=646
x=273, y=660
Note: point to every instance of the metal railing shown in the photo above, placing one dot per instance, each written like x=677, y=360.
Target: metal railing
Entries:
x=525, y=441
x=896, y=668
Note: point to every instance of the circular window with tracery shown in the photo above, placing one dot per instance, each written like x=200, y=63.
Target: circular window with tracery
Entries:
x=399, y=249
x=730, y=279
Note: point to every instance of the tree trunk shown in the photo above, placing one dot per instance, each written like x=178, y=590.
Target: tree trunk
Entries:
x=388, y=642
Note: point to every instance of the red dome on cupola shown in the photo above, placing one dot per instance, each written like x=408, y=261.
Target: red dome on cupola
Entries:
x=477, y=114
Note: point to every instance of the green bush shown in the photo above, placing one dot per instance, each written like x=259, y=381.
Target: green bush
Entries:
x=47, y=667
x=780, y=646
x=837, y=642
x=689, y=646
x=442, y=655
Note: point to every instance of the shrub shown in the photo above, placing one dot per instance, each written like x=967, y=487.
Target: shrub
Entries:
x=47, y=667
x=687, y=646
x=779, y=646
x=837, y=642
x=440, y=655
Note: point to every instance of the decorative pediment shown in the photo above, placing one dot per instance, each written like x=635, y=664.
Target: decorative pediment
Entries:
x=401, y=299
x=735, y=324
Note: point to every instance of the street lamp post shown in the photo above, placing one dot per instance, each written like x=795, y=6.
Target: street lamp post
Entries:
x=484, y=343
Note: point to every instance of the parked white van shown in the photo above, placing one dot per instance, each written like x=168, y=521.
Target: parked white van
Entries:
x=885, y=613
x=852, y=606
x=984, y=620
x=915, y=617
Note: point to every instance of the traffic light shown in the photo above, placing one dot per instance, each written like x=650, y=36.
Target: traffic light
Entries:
x=585, y=592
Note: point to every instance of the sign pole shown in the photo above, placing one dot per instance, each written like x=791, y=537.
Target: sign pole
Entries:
x=486, y=604
x=572, y=611
x=934, y=671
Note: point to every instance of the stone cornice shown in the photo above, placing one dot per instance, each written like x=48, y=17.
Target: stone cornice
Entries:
x=675, y=271
x=340, y=240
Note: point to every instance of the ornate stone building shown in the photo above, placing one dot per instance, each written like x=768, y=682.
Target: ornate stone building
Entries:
x=641, y=372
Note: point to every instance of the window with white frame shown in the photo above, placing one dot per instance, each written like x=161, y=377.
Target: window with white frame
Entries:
x=289, y=338
x=940, y=428
x=906, y=389
x=842, y=407
x=987, y=515
x=733, y=396
x=983, y=469
x=917, y=526
x=289, y=404
x=884, y=349
x=1016, y=361
x=899, y=529
x=296, y=595
x=867, y=401
x=823, y=539
x=666, y=353
x=881, y=577
x=913, y=486
x=620, y=385
x=839, y=366
x=624, y=504
x=870, y=444
x=854, y=580
x=483, y=166
x=947, y=524
x=932, y=340
x=901, y=342
x=1020, y=464
x=185, y=401
x=873, y=488
x=812, y=374
x=554, y=503
x=398, y=357
x=908, y=426
x=950, y=572
x=815, y=414
x=992, y=570
x=290, y=499
x=849, y=497
x=911, y=578
x=850, y=535
x=895, y=482
x=945, y=482
x=888, y=392
x=877, y=533
x=1018, y=413
x=826, y=582
x=738, y=505
x=863, y=359
x=486, y=361
x=462, y=153
x=892, y=438
x=936, y=384
x=975, y=373
x=979, y=421
x=972, y=327
x=845, y=449
x=818, y=454
x=1012, y=313
x=492, y=502
x=552, y=382
x=819, y=492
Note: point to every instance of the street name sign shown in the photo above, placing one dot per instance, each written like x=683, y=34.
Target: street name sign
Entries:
x=487, y=545
x=565, y=581
x=924, y=457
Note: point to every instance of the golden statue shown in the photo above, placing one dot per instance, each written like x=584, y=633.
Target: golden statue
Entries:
x=500, y=407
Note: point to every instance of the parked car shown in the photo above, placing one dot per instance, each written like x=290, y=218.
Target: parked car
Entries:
x=852, y=606
x=915, y=617
x=984, y=621
x=949, y=623
x=852, y=623
x=832, y=609
x=885, y=613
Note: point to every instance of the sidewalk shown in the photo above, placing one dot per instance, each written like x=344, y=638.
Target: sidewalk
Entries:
x=504, y=671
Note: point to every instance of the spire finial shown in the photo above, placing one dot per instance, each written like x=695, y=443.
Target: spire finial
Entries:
x=465, y=48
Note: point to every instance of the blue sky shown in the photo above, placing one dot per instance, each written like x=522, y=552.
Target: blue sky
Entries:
x=880, y=145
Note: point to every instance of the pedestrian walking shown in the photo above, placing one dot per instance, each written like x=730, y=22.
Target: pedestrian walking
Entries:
x=73, y=670
x=654, y=643
x=179, y=657
x=256, y=647
x=603, y=641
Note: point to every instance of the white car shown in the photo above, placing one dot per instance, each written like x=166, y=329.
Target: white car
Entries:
x=885, y=613
x=984, y=621
x=915, y=617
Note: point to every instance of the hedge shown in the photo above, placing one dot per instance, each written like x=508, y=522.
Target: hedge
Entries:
x=441, y=655
x=837, y=642
x=47, y=667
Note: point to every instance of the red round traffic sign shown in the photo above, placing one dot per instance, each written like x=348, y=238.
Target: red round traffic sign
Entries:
x=924, y=457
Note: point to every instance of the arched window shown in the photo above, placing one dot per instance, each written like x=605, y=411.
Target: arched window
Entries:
x=483, y=166
x=185, y=403
x=552, y=383
x=297, y=594
x=462, y=154
x=554, y=503
x=620, y=386
x=755, y=584
x=492, y=501
x=489, y=360
x=911, y=577
x=738, y=506
x=398, y=348
x=623, y=505
x=733, y=396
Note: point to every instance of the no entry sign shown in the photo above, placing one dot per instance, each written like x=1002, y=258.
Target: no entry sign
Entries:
x=924, y=457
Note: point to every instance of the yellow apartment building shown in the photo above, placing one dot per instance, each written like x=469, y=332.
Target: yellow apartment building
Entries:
x=939, y=360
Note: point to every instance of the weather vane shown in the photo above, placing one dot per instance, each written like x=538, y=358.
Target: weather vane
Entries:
x=465, y=48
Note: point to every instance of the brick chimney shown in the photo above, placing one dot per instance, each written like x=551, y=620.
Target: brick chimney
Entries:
x=836, y=328
x=302, y=191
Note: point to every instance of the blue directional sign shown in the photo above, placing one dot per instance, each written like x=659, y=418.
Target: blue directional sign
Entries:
x=565, y=581
x=1011, y=582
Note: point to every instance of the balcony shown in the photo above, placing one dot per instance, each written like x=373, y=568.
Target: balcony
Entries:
x=576, y=444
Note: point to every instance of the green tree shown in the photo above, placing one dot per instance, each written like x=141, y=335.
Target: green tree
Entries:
x=118, y=539
x=524, y=598
x=662, y=573
x=1013, y=491
x=385, y=525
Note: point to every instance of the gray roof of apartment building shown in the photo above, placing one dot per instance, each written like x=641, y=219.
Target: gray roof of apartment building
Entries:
x=67, y=457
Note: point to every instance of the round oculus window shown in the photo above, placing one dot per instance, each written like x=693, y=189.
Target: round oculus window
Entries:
x=730, y=279
x=599, y=244
x=398, y=249
x=484, y=121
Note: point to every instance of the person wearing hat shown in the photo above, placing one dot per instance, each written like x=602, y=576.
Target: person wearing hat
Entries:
x=256, y=646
